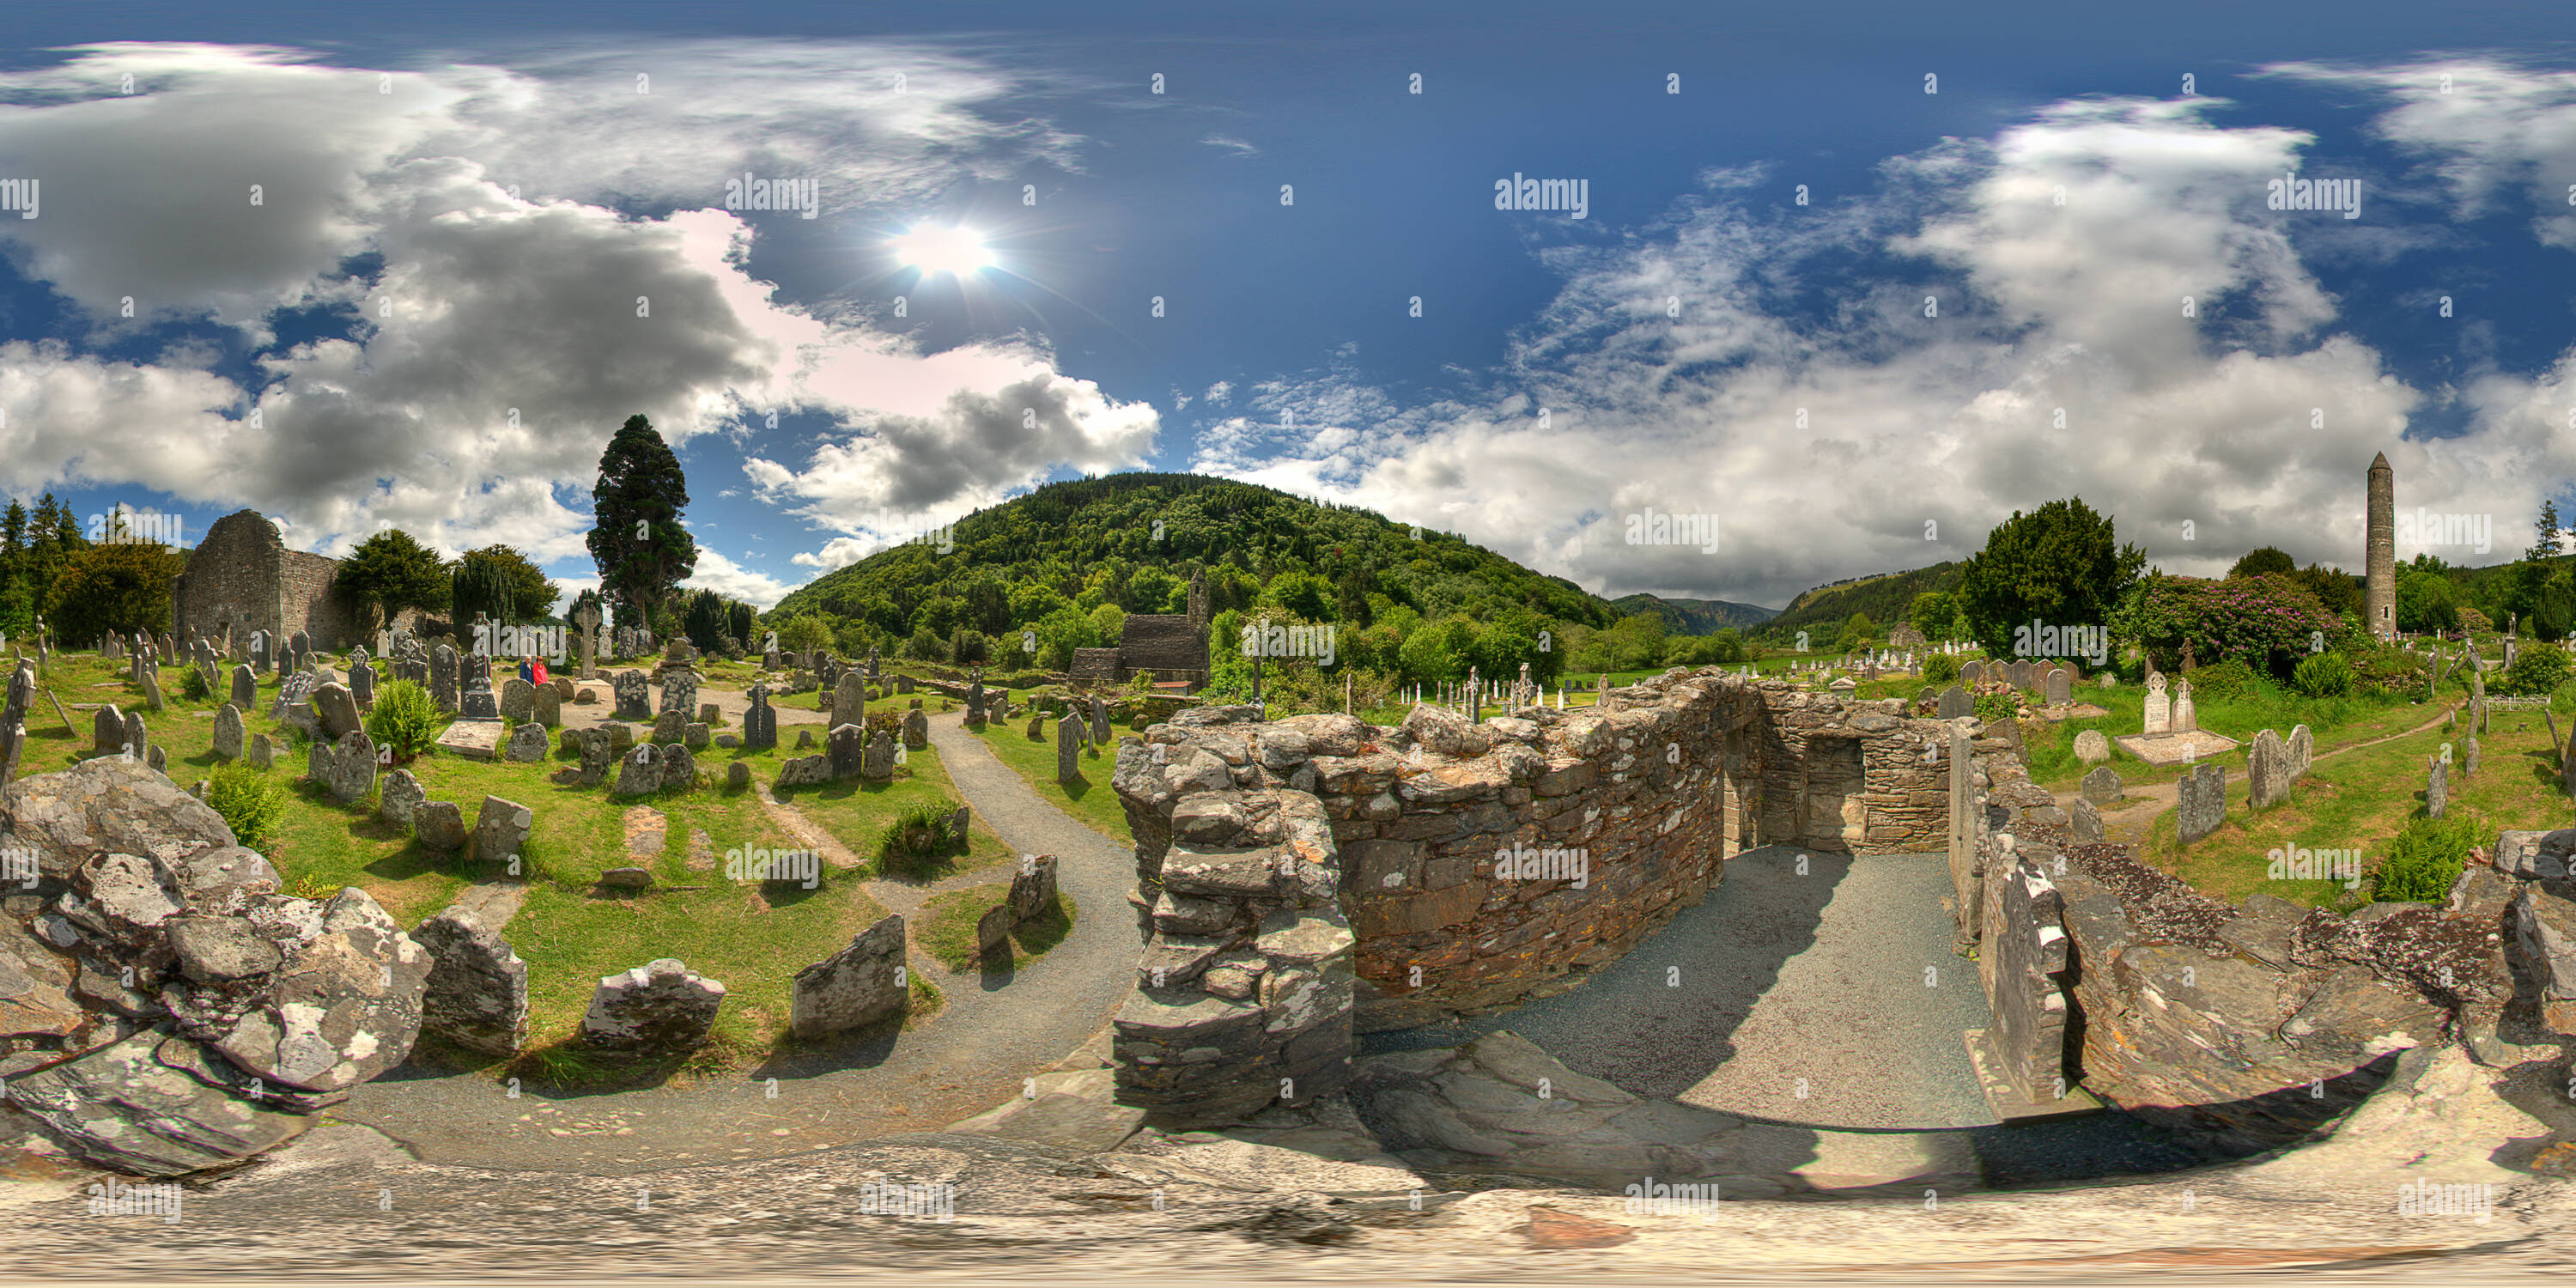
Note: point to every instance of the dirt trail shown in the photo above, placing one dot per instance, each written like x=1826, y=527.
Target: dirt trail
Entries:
x=2129, y=820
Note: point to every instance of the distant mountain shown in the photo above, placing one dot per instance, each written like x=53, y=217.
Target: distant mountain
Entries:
x=1883, y=596
x=1696, y=616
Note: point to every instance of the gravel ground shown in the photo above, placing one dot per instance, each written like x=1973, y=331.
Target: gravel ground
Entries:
x=1781, y=977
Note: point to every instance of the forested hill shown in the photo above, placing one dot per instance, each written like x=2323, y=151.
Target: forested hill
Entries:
x=1133, y=540
x=1696, y=616
x=1883, y=597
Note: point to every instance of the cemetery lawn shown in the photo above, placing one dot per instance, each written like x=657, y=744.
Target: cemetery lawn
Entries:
x=751, y=937
x=2331, y=722
x=859, y=813
x=2359, y=801
x=1088, y=799
x=946, y=929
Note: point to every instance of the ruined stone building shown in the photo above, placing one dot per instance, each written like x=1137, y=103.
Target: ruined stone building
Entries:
x=242, y=578
x=1174, y=646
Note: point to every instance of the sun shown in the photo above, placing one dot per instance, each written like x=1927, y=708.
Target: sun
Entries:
x=934, y=249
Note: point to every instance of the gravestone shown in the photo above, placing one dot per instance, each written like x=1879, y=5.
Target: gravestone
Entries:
x=916, y=729
x=863, y=984
x=670, y=726
x=639, y=773
x=2061, y=687
x=442, y=678
x=475, y=700
x=2301, y=747
x=850, y=699
x=150, y=682
x=2469, y=759
x=2267, y=771
x=2102, y=786
x=336, y=708
x=680, y=692
x=107, y=729
x=759, y=721
x=903, y=684
x=1037, y=725
x=518, y=699
x=362, y=685
x=710, y=714
x=2437, y=787
x=1033, y=886
x=501, y=827
x=847, y=751
x=634, y=695
x=527, y=744
x=2201, y=802
x=1955, y=703
x=2017, y=674
x=2159, y=710
x=805, y=738
x=477, y=997
x=679, y=768
x=1068, y=743
x=695, y=737
x=596, y=756
x=401, y=799
x=2085, y=822
x=347, y=767
x=587, y=618
x=1100, y=719
x=546, y=706
x=2091, y=747
x=877, y=762
x=872, y=662
x=655, y=1008
x=2185, y=718
x=975, y=704
x=262, y=753
x=1972, y=672
x=993, y=931
x=229, y=732
x=13, y=720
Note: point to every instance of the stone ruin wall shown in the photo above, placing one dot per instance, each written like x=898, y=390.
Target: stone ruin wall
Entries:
x=241, y=576
x=1350, y=869
x=2245, y=1027
x=308, y=602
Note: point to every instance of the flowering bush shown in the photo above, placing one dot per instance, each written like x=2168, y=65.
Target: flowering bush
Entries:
x=2266, y=622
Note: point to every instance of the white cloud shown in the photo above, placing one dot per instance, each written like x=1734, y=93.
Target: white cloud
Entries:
x=733, y=581
x=1236, y=147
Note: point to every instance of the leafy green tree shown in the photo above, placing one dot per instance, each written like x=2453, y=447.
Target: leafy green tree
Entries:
x=637, y=541
x=705, y=621
x=392, y=571
x=481, y=586
x=2424, y=602
x=2060, y=564
x=113, y=588
x=1858, y=632
x=1108, y=623
x=2262, y=560
x=1726, y=646
x=1303, y=594
x=2338, y=590
x=1426, y=655
x=925, y=646
x=2554, y=612
x=530, y=593
x=804, y=633
x=740, y=621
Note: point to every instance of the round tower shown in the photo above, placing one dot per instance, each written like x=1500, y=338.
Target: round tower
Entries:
x=2379, y=593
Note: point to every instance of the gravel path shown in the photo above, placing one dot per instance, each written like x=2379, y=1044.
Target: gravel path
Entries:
x=996, y=1028
x=1782, y=976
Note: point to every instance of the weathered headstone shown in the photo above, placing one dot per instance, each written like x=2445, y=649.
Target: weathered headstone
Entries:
x=13, y=719
x=149, y=680
x=229, y=732
x=2201, y=802
x=850, y=699
x=1971, y=673
x=655, y=1008
x=527, y=744
x=2186, y=718
x=639, y=772
x=2085, y=821
x=401, y=799
x=2017, y=674
x=1033, y=886
x=695, y=736
x=680, y=692
x=500, y=828
x=876, y=763
x=475, y=699
x=847, y=747
x=2091, y=747
x=2159, y=710
x=1100, y=719
x=2061, y=687
x=863, y=984
x=2102, y=786
x=759, y=720
x=362, y=685
x=1068, y=746
x=993, y=931
x=2469, y=759
x=2302, y=748
x=518, y=699
x=2267, y=771
x=596, y=756
x=107, y=730
x=587, y=619
x=262, y=753
x=336, y=708
x=670, y=726
x=443, y=678
x=546, y=707
x=903, y=684
x=634, y=695
x=2437, y=787
x=477, y=997
x=347, y=768
x=916, y=729
x=1955, y=703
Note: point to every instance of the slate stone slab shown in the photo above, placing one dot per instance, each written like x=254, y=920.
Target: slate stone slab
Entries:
x=2201, y=802
x=863, y=984
x=657, y=1007
x=2267, y=764
x=2102, y=786
x=477, y=994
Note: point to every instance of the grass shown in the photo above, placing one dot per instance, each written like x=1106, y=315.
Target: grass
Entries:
x=2360, y=800
x=752, y=937
x=857, y=813
x=1087, y=798
x=946, y=927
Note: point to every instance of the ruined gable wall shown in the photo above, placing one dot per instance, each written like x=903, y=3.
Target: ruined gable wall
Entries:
x=232, y=579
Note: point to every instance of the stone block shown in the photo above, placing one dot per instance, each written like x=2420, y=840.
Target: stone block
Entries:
x=656, y=1008
x=863, y=984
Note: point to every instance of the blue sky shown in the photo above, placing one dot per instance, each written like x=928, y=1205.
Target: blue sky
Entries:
x=456, y=220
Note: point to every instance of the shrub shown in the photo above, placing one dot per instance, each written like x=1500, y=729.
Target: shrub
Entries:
x=1940, y=668
x=1998, y=708
x=404, y=719
x=2267, y=622
x=917, y=838
x=2424, y=861
x=2228, y=681
x=2384, y=670
x=249, y=801
x=887, y=719
x=192, y=684
x=2325, y=675
x=2536, y=669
